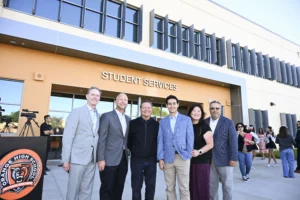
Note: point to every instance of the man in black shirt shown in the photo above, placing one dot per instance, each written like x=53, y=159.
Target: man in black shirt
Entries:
x=297, y=139
x=142, y=142
x=46, y=131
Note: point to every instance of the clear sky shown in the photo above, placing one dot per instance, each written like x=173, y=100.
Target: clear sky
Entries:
x=279, y=16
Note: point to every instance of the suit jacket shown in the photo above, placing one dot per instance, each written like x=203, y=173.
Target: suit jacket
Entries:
x=112, y=142
x=225, y=142
x=182, y=140
x=79, y=141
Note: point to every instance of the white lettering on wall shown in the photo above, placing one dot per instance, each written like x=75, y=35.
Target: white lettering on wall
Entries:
x=138, y=81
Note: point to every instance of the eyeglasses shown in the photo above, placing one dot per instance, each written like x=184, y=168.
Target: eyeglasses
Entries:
x=214, y=108
x=240, y=126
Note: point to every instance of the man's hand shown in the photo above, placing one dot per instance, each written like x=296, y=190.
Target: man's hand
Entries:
x=232, y=163
x=66, y=166
x=51, y=132
x=101, y=165
x=162, y=164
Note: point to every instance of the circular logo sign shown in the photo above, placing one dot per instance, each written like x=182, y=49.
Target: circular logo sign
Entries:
x=20, y=172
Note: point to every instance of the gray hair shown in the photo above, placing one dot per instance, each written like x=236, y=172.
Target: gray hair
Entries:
x=94, y=88
x=214, y=101
x=146, y=101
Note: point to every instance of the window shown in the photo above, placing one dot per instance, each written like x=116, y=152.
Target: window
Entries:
x=23, y=6
x=250, y=63
x=185, y=42
x=131, y=25
x=91, y=15
x=11, y=98
x=158, y=33
x=208, y=48
x=47, y=9
x=93, y=18
x=242, y=59
x=233, y=58
x=113, y=19
x=72, y=12
x=172, y=37
x=197, y=46
x=218, y=48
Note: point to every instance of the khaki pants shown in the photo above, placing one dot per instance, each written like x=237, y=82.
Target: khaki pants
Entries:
x=181, y=168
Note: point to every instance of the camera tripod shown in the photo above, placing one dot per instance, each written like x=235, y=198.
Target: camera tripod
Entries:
x=27, y=126
x=6, y=128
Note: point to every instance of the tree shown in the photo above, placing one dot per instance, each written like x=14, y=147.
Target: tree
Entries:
x=15, y=116
x=156, y=112
x=56, y=122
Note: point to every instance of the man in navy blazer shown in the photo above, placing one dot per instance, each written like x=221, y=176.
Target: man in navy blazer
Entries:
x=174, y=147
x=225, y=152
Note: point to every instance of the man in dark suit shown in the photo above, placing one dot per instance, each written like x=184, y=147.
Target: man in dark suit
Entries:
x=112, y=150
x=225, y=152
x=297, y=139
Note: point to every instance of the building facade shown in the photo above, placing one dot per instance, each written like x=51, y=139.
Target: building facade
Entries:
x=52, y=51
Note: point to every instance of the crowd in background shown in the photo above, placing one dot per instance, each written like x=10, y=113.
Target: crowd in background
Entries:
x=250, y=142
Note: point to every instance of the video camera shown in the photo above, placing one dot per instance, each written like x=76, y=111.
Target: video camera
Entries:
x=29, y=114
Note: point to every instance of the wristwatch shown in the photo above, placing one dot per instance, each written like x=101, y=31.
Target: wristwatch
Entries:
x=200, y=152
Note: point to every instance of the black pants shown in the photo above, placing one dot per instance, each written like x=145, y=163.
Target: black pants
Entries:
x=48, y=149
x=141, y=168
x=113, y=180
x=298, y=158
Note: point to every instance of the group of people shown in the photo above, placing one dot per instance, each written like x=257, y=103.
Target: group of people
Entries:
x=198, y=152
x=248, y=140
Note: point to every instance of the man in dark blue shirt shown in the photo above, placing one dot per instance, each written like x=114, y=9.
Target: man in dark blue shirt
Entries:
x=46, y=131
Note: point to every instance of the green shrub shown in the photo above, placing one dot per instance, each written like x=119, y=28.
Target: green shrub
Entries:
x=276, y=154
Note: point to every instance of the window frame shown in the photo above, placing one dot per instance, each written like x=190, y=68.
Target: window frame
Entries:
x=186, y=41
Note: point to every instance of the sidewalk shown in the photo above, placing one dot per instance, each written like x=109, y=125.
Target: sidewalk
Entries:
x=264, y=184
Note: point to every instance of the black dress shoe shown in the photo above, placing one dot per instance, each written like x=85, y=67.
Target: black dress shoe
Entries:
x=47, y=169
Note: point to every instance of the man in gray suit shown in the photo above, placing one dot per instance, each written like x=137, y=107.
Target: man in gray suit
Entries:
x=80, y=147
x=112, y=150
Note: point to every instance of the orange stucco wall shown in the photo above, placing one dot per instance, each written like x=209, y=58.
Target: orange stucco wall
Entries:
x=21, y=64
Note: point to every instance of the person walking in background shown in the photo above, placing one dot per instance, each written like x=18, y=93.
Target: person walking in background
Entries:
x=271, y=146
x=262, y=144
x=251, y=130
x=142, y=142
x=225, y=152
x=285, y=141
x=201, y=155
x=245, y=146
x=174, y=147
x=298, y=147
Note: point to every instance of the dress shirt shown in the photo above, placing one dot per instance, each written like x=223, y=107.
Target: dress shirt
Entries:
x=173, y=122
x=93, y=113
x=122, y=121
x=213, y=124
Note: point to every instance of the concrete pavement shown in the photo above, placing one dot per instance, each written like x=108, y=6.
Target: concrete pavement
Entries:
x=264, y=184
